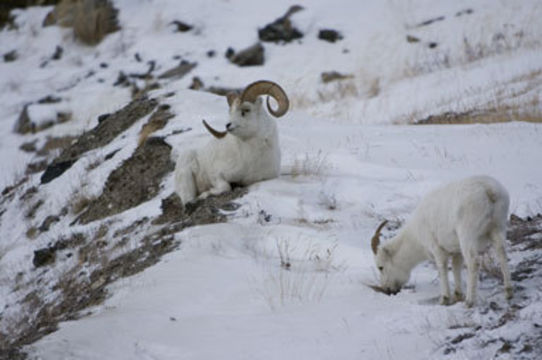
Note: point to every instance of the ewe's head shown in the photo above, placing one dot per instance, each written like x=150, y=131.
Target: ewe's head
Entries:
x=392, y=277
x=247, y=115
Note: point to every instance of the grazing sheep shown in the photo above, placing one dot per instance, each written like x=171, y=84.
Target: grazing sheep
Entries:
x=247, y=152
x=457, y=221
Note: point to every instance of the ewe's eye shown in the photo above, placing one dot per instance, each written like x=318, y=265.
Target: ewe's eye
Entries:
x=244, y=112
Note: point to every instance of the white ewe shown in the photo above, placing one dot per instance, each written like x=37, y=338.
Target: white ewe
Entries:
x=457, y=221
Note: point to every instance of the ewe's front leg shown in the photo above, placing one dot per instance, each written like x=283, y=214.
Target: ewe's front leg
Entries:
x=457, y=263
x=219, y=186
x=441, y=261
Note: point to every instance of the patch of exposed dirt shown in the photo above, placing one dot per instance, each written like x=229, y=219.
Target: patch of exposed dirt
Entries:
x=55, y=143
x=330, y=76
x=137, y=180
x=157, y=121
x=25, y=125
x=197, y=84
x=488, y=116
x=107, y=129
x=79, y=289
x=525, y=238
x=178, y=71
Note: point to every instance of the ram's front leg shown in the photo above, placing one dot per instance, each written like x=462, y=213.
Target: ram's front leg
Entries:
x=185, y=184
x=218, y=186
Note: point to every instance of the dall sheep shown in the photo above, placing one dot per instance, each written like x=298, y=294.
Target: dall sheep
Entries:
x=457, y=221
x=247, y=152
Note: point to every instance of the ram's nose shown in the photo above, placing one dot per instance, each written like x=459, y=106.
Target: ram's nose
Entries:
x=229, y=126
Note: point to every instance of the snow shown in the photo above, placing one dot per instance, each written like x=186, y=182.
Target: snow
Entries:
x=350, y=159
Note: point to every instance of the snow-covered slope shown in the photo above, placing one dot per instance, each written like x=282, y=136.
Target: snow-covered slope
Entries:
x=286, y=275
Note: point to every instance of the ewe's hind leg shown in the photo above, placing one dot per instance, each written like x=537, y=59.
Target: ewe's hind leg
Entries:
x=473, y=266
x=441, y=260
x=498, y=241
x=457, y=263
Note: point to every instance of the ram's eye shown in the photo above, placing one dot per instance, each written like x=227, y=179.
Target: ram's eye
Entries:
x=380, y=268
x=244, y=112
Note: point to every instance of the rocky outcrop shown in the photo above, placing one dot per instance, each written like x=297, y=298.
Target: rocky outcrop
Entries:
x=251, y=56
x=110, y=126
x=281, y=30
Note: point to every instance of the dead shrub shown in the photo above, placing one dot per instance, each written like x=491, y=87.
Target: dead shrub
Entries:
x=91, y=20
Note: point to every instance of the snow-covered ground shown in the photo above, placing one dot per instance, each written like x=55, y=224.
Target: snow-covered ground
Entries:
x=350, y=159
x=225, y=294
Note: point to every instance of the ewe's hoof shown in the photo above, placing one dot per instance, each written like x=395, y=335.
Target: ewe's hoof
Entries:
x=509, y=293
x=444, y=300
x=458, y=297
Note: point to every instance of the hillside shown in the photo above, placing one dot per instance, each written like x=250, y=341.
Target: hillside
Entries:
x=98, y=260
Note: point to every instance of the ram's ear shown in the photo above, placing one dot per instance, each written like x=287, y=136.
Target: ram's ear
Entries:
x=231, y=96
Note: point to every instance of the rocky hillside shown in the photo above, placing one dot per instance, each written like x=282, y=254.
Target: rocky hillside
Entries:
x=100, y=97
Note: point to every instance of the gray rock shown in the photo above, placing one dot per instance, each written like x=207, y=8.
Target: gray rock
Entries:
x=329, y=35
x=281, y=30
x=251, y=56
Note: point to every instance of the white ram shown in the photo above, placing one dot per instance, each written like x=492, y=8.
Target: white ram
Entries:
x=457, y=221
x=247, y=152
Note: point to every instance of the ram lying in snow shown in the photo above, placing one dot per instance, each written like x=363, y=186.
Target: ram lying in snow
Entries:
x=247, y=152
x=457, y=221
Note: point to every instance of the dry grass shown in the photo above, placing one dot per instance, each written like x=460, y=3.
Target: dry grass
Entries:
x=505, y=41
x=340, y=90
x=315, y=165
x=91, y=20
x=303, y=275
x=331, y=92
x=531, y=113
x=79, y=203
x=157, y=121
x=515, y=100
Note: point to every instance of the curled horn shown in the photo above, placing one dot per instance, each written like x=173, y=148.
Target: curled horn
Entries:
x=375, y=241
x=217, y=134
x=264, y=87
